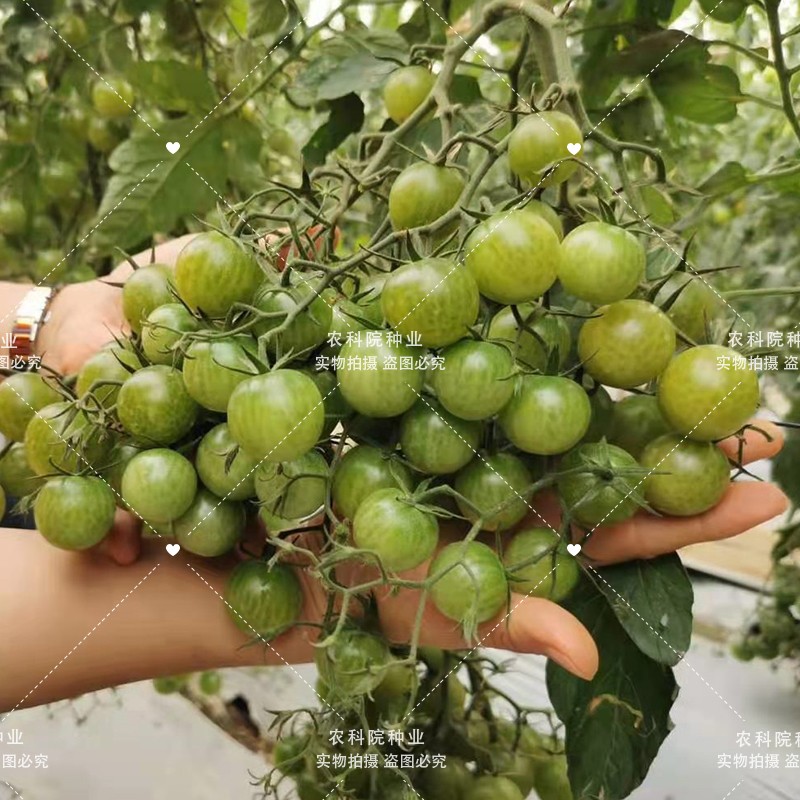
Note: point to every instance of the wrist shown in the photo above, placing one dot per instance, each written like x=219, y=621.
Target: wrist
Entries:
x=23, y=315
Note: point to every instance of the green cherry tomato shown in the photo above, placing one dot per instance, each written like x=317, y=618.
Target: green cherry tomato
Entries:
x=336, y=407
x=104, y=135
x=20, y=126
x=452, y=782
x=548, y=214
x=224, y=467
x=307, y=331
x=277, y=416
x=21, y=396
x=74, y=513
x=473, y=582
x=422, y=193
x=213, y=272
x=212, y=370
x=601, y=263
x=210, y=682
x=694, y=306
x=600, y=495
x=113, y=363
x=540, y=336
x=263, y=601
x=552, y=782
x=210, y=527
x=13, y=216
x=144, y=291
x=637, y=420
x=115, y=464
x=159, y=485
x=73, y=30
x=400, y=534
x=434, y=298
x=379, y=378
x=703, y=398
x=362, y=471
x=75, y=121
x=602, y=415
x=546, y=415
x=113, y=98
x=538, y=143
x=494, y=787
x=291, y=491
x=405, y=90
x=497, y=486
x=687, y=477
x=163, y=330
x=514, y=766
x=58, y=179
x=628, y=343
x=435, y=441
x=354, y=662
x=60, y=438
x=538, y=564
x=16, y=476
x=154, y=406
x=724, y=10
x=514, y=256
x=289, y=752
x=476, y=380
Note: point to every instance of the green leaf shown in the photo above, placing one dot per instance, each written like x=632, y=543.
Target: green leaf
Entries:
x=357, y=74
x=652, y=599
x=728, y=178
x=346, y=117
x=708, y=95
x=152, y=190
x=265, y=17
x=425, y=25
x=615, y=723
x=173, y=86
x=669, y=47
x=465, y=89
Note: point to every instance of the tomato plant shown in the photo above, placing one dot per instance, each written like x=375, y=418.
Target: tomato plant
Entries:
x=422, y=193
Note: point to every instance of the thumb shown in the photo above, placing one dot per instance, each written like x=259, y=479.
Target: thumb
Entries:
x=124, y=542
x=535, y=625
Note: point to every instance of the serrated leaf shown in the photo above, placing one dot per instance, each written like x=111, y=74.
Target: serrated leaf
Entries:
x=356, y=73
x=173, y=86
x=728, y=178
x=708, y=95
x=615, y=723
x=346, y=117
x=151, y=190
x=652, y=599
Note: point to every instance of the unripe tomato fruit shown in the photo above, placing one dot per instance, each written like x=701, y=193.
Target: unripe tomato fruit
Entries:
x=694, y=309
x=435, y=441
x=263, y=601
x=21, y=396
x=210, y=527
x=74, y=513
x=288, y=754
x=73, y=30
x=144, y=291
x=159, y=485
x=497, y=486
x=103, y=134
x=546, y=415
x=434, y=298
x=277, y=416
x=58, y=179
x=473, y=585
x=537, y=564
x=637, y=420
x=628, y=343
x=603, y=496
x=477, y=379
x=548, y=214
x=112, y=98
x=112, y=363
x=702, y=399
x=405, y=90
x=213, y=369
x=400, y=534
x=224, y=467
x=493, y=787
x=154, y=406
x=162, y=331
x=210, y=682
x=20, y=126
x=422, y=193
x=363, y=470
x=213, y=272
x=533, y=348
x=385, y=391
x=514, y=256
x=538, y=143
x=16, y=476
x=13, y=216
x=601, y=263
x=354, y=662
x=688, y=477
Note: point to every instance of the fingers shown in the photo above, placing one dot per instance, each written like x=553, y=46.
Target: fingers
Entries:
x=744, y=506
x=124, y=543
x=540, y=626
x=763, y=441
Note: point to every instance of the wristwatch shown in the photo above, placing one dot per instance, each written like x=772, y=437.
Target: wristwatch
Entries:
x=32, y=313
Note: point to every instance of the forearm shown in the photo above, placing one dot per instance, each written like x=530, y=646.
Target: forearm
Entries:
x=72, y=623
